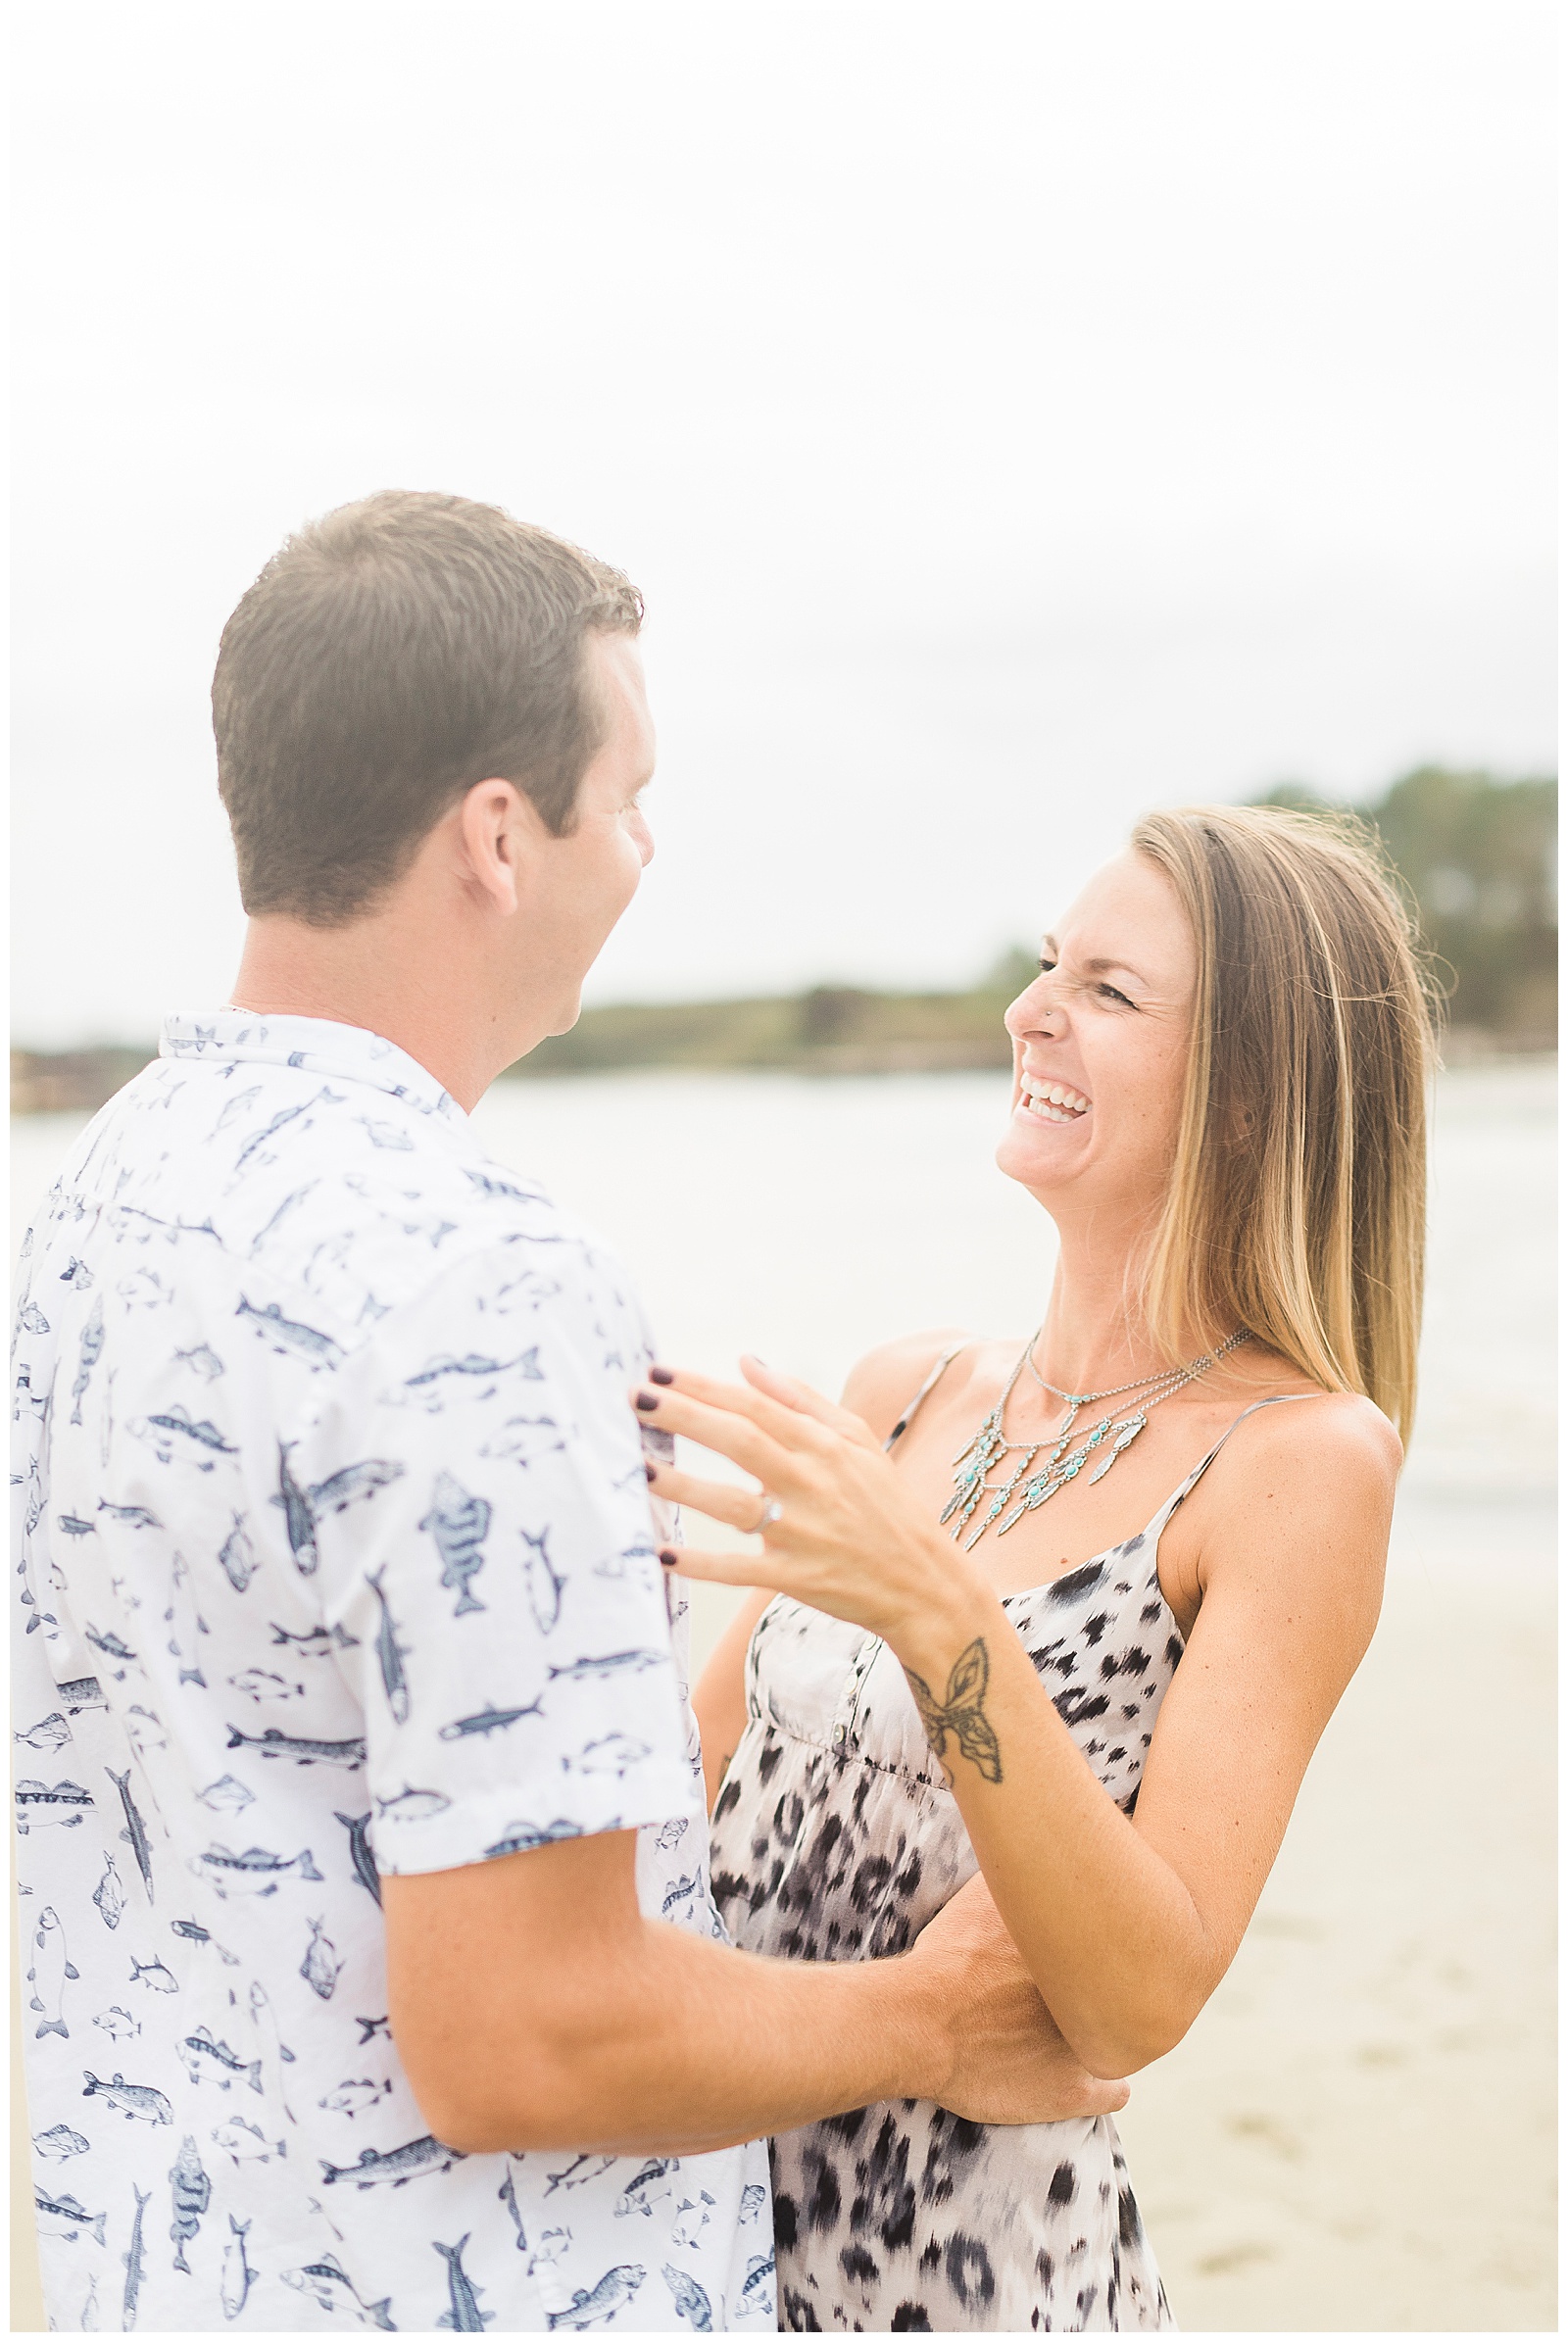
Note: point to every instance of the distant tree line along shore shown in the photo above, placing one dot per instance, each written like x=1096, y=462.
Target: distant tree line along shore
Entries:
x=1476, y=855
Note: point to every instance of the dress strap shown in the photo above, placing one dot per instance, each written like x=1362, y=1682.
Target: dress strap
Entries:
x=1281, y=1399
x=924, y=1392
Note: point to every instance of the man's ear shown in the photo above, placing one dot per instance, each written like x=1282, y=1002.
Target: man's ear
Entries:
x=496, y=828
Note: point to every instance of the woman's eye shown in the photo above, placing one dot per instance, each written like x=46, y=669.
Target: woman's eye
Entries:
x=1046, y=966
x=1108, y=992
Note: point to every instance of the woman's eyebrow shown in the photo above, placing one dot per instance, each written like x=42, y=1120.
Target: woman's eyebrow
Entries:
x=1094, y=967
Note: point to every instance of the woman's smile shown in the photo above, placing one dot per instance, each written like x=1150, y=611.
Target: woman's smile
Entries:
x=1043, y=1100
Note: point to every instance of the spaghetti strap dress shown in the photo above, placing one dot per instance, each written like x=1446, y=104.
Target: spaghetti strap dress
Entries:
x=834, y=1837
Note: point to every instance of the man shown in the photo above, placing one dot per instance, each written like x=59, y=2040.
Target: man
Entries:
x=373, y=1971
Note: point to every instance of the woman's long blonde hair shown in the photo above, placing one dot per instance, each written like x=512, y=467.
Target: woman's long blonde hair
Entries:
x=1296, y=1204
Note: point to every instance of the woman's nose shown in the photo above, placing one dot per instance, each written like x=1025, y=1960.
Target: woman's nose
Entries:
x=1032, y=1011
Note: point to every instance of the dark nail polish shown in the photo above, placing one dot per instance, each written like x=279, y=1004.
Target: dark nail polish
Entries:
x=668, y=1558
x=660, y=1374
x=647, y=1401
x=650, y=1470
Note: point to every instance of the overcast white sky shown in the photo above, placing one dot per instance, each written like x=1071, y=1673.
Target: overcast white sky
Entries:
x=1013, y=417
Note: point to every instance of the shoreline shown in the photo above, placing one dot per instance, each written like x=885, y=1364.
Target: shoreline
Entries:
x=80, y=1081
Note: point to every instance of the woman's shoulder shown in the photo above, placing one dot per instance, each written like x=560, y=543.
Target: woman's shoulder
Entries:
x=1333, y=1438
x=881, y=1385
x=1305, y=1502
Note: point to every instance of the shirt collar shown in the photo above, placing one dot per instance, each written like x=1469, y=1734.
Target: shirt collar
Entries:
x=346, y=1052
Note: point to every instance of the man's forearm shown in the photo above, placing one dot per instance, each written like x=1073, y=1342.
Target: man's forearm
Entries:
x=694, y=2046
x=535, y=2007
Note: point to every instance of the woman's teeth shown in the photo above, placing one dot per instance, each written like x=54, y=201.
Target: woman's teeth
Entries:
x=1053, y=1102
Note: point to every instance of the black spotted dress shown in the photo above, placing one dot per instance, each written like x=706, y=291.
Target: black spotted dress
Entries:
x=835, y=1838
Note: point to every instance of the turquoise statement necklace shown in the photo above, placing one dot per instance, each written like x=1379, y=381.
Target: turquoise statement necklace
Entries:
x=1023, y=1489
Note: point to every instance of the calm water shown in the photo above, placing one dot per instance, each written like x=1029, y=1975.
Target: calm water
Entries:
x=807, y=1220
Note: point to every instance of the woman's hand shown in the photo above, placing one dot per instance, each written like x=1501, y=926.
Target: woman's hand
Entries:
x=839, y=1528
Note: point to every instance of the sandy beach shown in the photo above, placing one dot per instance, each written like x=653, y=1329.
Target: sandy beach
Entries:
x=1360, y=2132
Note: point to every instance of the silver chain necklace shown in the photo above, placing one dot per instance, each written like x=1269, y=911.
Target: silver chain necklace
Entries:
x=1026, y=1489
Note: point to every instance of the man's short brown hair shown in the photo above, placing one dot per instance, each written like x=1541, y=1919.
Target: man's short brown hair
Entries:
x=386, y=658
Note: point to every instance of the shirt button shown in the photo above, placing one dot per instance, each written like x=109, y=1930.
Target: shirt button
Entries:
x=838, y=1732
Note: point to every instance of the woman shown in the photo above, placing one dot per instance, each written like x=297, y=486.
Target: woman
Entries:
x=1084, y=1624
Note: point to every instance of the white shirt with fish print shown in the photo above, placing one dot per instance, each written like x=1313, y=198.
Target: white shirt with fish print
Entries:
x=335, y=1558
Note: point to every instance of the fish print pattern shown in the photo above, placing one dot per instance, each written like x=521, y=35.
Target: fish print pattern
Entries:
x=238, y=2274
x=507, y=2194
x=108, y=1896
x=91, y=1342
x=357, y=1826
x=545, y=1587
x=135, y=2265
x=134, y=1833
x=389, y=1652
x=489, y=1720
x=50, y=1733
x=60, y=2144
x=112, y=1646
x=50, y=1972
x=246, y=2142
x=237, y=1556
x=329, y=2286
x=63, y=2216
x=255, y=1871
x=352, y=2098
x=465, y=2315
x=186, y=1625
x=597, y=2306
x=194, y=1932
x=137, y=2101
x=298, y=1748
x=202, y=2056
x=644, y=2188
x=191, y=2191
x=154, y=1975
x=335, y=1560
x=289, y=1338
x=64, y=1803
x=175, y=1438
x=81, y=1694
x=692, y=2305
x=459, y=1524
x=411, y=2161
x=275, y=2052
x=321, y=1967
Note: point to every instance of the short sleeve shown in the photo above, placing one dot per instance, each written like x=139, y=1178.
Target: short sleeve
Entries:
x=487, y=1568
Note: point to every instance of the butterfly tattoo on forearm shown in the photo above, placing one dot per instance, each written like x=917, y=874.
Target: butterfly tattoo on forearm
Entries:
x=962, y=1712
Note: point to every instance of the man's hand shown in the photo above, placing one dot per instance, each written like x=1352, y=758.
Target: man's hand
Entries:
x=1010, y=2062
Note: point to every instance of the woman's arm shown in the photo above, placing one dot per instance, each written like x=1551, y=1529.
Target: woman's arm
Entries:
x=719, y=1699
x=1126, y=1924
